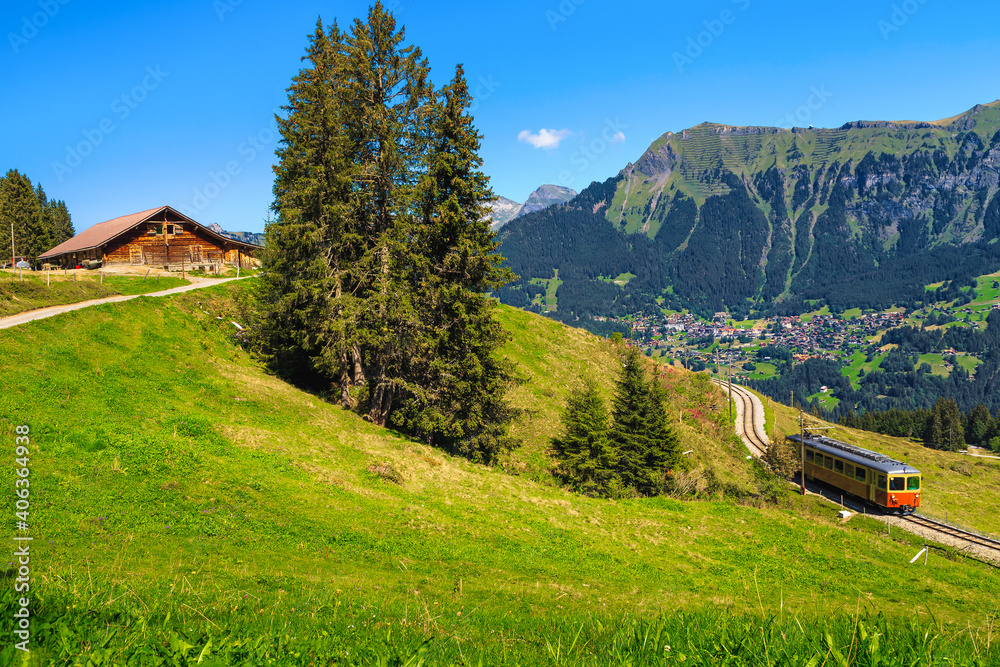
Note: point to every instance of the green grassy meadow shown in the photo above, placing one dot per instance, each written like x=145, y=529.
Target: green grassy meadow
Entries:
x=187, y=507
x=17, y=296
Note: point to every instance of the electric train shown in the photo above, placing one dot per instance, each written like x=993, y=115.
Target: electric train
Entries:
x=876, y=478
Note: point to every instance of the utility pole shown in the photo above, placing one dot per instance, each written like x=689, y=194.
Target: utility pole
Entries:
x=730, y=378
x=802, y=451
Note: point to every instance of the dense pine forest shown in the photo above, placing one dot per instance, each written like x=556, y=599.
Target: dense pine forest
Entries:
x=39, y=223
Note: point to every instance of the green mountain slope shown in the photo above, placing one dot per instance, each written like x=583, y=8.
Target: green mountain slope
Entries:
x=742, y=218
x=186, y=507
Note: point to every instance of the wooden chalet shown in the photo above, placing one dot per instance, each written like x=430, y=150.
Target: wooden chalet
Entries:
x=160, y=238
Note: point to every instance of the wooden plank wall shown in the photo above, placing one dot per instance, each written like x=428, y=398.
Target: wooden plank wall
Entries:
x=140, y=246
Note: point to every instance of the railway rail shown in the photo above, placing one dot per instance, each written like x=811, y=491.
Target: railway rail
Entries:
x=941, y=528
x=756, y=441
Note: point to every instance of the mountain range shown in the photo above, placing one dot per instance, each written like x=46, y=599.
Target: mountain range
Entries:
x=504, y=210
x=247, y=237
x=725, y=217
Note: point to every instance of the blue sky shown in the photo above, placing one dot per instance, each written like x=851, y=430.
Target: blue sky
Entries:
x=118, y=107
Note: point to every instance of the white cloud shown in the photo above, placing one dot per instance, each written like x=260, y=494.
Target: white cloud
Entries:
x=547, y=139
x=618, y=138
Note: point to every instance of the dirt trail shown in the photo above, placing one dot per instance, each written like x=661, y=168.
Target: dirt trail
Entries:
x=51, y=311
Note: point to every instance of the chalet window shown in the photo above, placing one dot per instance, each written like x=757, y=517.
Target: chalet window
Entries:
x=170, y=229
x=159, y=230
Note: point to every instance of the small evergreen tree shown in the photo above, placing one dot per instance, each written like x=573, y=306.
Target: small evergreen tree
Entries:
x=588, y=459
x=646, y=445
x=980, y=423
x=56, y=220
x=664, y=454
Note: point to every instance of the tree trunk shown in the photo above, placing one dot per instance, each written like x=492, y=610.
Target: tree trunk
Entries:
x=359, y=370
x=381, y=401
x=345, y=382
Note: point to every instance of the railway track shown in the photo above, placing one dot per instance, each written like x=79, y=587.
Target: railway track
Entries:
x=757, y=443
x=950, y=531
x=747, y=419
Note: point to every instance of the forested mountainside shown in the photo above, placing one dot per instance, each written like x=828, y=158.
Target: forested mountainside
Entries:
x=755, y=218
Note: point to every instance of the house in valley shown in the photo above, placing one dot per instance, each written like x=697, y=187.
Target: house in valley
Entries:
x=159, y=238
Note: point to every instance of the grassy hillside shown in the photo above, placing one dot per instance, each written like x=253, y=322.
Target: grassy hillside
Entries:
x=39, y=291
x=187, y=507
x=554, y=359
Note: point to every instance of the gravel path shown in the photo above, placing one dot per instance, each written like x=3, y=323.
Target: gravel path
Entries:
x=51, y=311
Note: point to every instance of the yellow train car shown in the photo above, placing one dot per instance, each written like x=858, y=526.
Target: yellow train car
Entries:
x=873, y=477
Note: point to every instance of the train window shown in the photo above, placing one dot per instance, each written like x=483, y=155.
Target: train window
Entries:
x=897, y=483
x=859, y=474
x=881, y=482
x=838, y=466
x=849, y=470
x=828, y=462
x=809, y=455
x=912, y=483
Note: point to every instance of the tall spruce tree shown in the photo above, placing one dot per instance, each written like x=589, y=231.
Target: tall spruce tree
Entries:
x=306, y=295
x=379, y=255
x=456, y=381
x=588, y=460
x=386, y=100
